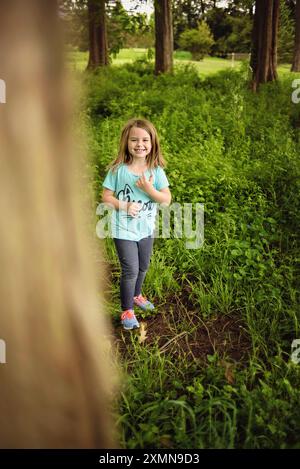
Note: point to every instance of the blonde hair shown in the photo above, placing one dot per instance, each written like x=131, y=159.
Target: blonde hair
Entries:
x=57, y=382
x=154, y=158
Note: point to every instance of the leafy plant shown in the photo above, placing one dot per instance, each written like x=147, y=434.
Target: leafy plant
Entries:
x=197, y=41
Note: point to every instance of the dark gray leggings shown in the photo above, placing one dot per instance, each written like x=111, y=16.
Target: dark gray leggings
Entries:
x=134, y=258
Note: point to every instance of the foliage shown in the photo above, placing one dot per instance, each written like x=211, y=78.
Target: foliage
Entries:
x=224, y=19
x=286, y=33
x=74, y=16
x=232, y=32
x=128, y=30
x=186, y=15
x=237, y=153
x=122, y=29
x=197, y=41
x=230, y=26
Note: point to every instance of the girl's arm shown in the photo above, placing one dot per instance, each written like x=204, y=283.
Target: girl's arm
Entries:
x=131, y=208
x=109, y=198
x=163, y=196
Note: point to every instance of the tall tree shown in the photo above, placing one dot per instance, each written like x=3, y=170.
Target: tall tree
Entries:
x=55, y=390
x=98, y=49
x=264, y=42
x=163, y=36
x=296, y=57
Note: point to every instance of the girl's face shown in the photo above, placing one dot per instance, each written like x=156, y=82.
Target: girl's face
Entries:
x=139, y=143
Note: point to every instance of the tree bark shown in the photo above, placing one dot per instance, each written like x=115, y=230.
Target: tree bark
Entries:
x=98, y=49
x=296, y=56
x=163, y=36
x=264, y=42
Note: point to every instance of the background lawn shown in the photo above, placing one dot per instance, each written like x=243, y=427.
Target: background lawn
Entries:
x=78, y=61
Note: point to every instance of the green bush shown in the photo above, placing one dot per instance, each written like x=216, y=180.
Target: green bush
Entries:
x=197, y=41
x=238, y=153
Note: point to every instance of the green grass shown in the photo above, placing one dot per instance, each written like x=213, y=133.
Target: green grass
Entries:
x=78, y=61
x=284, y=69
x=238, y=153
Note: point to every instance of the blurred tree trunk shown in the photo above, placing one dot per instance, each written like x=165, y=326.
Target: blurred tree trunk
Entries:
x=264, y=42
x=55, y=390
x=202, y=4
x=163, y=36
x=296, y=57
x=98, y=49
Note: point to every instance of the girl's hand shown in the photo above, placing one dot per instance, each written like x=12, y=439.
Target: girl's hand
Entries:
x=133, y=209
x=144, y=184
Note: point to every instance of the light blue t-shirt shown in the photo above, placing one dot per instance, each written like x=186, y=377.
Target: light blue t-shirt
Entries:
x=123, y=183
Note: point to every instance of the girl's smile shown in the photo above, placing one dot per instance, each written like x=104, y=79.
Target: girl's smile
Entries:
x=139, y=142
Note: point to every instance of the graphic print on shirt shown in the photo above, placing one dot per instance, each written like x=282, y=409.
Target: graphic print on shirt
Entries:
x=127, y=195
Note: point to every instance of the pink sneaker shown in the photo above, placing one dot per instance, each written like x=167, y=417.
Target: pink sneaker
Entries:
x=129, y=320
x=143, y=303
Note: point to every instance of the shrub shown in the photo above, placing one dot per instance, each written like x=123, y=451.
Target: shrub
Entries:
x=197, y=41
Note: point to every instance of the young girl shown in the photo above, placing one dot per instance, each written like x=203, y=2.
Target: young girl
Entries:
x=134, y=185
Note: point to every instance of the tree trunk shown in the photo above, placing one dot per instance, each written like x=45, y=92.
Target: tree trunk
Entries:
x=56, y=386
x=98, y=50
x=202, y=4
x=163, y=36
x=264, y=42
x=296, y=57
